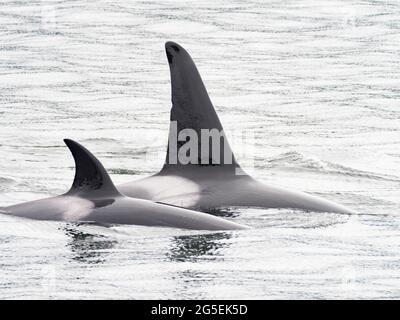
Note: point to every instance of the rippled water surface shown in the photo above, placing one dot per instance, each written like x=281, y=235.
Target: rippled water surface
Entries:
x=308, y=93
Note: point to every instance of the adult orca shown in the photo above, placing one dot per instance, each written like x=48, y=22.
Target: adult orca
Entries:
x=206, y=182
x=94, y=198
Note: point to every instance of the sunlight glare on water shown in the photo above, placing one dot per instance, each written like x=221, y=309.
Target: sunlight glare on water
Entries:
x=308, y=93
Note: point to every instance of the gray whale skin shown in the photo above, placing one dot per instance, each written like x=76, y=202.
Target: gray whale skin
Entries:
x=210, y=186
x=94, y=198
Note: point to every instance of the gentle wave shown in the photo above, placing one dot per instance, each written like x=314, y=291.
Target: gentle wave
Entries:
x=295, y=159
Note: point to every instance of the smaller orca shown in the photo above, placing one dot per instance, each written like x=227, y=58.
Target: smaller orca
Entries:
x=94, y=198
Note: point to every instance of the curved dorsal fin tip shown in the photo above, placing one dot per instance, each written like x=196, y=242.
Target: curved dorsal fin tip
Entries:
x=171, y=43
x=90, y=174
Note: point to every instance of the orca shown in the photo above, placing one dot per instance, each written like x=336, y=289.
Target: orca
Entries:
x=94, y=198
x=205, y=182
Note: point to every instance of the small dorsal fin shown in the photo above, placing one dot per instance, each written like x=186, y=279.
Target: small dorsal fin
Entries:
x=90, y=174
x=192, y=109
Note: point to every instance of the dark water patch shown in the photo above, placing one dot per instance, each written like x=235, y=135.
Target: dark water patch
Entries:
x=221, y=212
x=197, y=247
x=87, y=247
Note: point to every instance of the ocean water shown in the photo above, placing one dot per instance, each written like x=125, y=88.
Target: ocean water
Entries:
x=308, y=93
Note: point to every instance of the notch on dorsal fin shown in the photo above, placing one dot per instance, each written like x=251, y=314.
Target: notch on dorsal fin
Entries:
x=90, y=175
x=193, y=109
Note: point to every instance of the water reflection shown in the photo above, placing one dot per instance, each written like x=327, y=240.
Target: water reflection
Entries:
x=221, y=212
x=87, y=247
x=193, y=247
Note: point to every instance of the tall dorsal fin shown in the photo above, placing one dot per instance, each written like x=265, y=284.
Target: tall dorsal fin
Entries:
x=192, y=109
x=90, y=175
